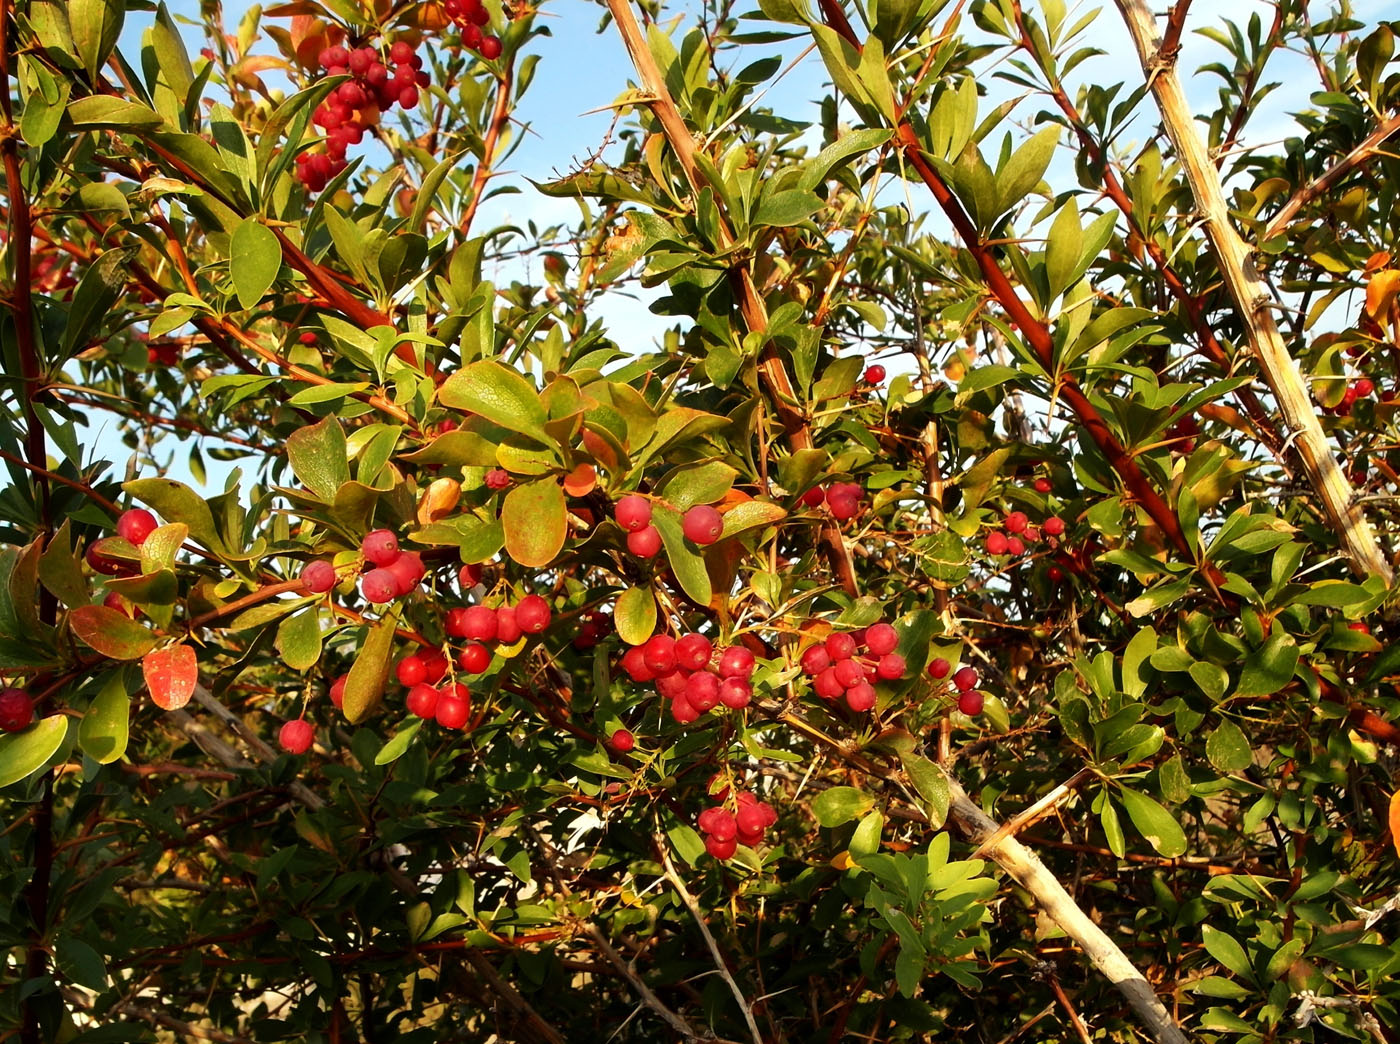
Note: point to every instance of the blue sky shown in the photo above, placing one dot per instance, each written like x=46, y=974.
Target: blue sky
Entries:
x=582, y=71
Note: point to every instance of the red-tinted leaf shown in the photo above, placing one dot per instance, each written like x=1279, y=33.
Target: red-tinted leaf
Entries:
x=110, y=632
x=171, y=674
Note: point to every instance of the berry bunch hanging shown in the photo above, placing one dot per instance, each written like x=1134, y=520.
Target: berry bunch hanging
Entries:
x=472, y=17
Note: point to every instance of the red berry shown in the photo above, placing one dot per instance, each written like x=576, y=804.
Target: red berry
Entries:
x=361, y=58
x=474, y=658
x=722, y=825
x=337, y=692
x=815, y=660
x=814, y=497
x=874, y=374
x=455, y=622
x=843, y=506
x=1357, y=625
x=881, y=638
x=622, y=741
x=827, y=685
x=672, y=684
x=507, y=626
x=16, y=710
x=860, y=697
x=702, y=524
x=996, y=543
x=735, y=693
x=1055, y=573
x=702, y=690
x=660, y=653
x=736, y=662
x=435, y=663
x=849, y=672
x=453, y=709
x=693, y=651
x=1364, y=387
x=469, y=575
x=318, y=577
x=890, y=667
x=635, y=664
x=1042, y=485
x=939, y=668
x=751, y=818
x=479, y=623
x=721, y=850
x=379, y=586
x=1054, y=526
x=1014, y=546
x=965, y=678
x=497, y=478
x=682, y=711
x=411, y=670
x=1015, y=522
x=408, y=97
x=296, y=736
x=840, y=646
x=532, y=613
x=380, y=547
x=633, y=512
x=408, y=571
x=970, y=703
x=490, y=48
x=645, y=542
x=401, y=52
x=136, y=525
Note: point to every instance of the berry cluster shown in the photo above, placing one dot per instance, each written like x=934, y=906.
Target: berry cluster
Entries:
x=725, y=830
x=692, y=674
x=1016, y=532
x=702, y=525
x=1361, y=388
x=395, y=573
x=970, y=701
x=841, y=498
x=357, y=103
x=471, y=16
x=847, y=664
x=16, y=710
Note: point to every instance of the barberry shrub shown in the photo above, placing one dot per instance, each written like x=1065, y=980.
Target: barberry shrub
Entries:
x=966, y=616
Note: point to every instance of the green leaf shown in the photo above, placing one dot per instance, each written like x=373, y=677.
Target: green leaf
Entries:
x=106, y=725
x=398, y=743
x=105, y=111
x=932, y=785
x=253, y=260
x=686, y=843
x=299, y=639
x=364, y=687
x=750, y=514
x=866, y=839
x=1270, y=667
x=81, y=963
x=909, y=969
x=23, y=753
x=838, y=805
x=499, y=394
x=1155, y=823
x=1062, y=248
x=319, y=457
x=176, y=502
x=1026, y=167
x=95, y=25
x=96, y=292
x=787, y=207
x=477, y=539
x=846, y=147
x=1225, y=949
x=111, y=633
x=535, y=518
x=1228, y=749
x=1159, y=597
x=686, y=563
x=694, y=484
x=60, y=572
x=635, y=615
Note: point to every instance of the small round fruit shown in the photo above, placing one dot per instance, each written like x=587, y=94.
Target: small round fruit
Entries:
x=422, y=701
x=736, y=662
x=840, y=646
x=965, y=679
x=16, y=710
x=380, y=547
x=622, y=741
x=469, y=575
x=735, y=693
x=490, y=48
x=875, y=374
x=474, y=658
x=702, y=690
x=890, y=667
x=136, y=525
x=815, y=660
x=721, y=850
x=751, y=818
x=479, y=623
x=379, y=586
x=635, y=664
x=682, y=711
x=693, y=651
x=337, y=692
x=318, y=577
x=645, y=542
x=1055, y=573
x=296, y=736
x=827, y=685
x=496, y=478
x=401, y=53
x=455, y=622
x=408, y=570
x=452, y=710
x=970, y=702
x=722, y=825
x=411, y=670
x=106, y=564
x=703, y=525
x=508, y=630
x=881, y=639
x=532, y=613
x=672, y=685
x=996, y=543
x=849, y=672
x=1042, y=485
x=938, y=668
x=1016, y=522
x=660, y=653
x=1014, y=546
x=1054, y=526
x=633, y=512
x=843, y=507
x=860, y=697
x=814, y=497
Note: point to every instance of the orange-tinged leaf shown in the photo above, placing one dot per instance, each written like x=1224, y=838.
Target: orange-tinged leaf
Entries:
x=171, y=674
x=1381, y=289
x=601, y=451
x=581, y=481
x=535, y=519
x=1379, y=259
x=112, y=633
x=1394, y=819
x=439, y=499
